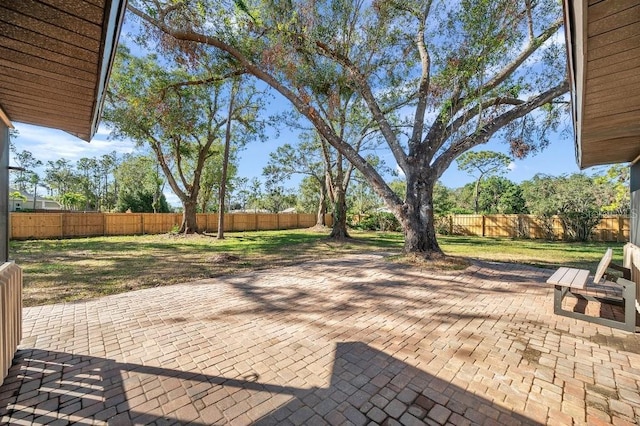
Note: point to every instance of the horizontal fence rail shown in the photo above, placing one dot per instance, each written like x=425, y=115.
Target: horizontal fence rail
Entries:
x=27, y=226
x=610, y=228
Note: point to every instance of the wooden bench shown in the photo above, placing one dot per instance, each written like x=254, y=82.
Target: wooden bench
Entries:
x=573, y=282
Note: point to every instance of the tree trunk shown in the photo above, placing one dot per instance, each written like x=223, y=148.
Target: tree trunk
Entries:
x=225, y=163
x=321, y=207
x=339, y=230
x=189, y=218
x=417, y=219
x=476, y=195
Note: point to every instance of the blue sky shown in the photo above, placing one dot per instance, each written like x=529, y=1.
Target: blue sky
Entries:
x=47, y=144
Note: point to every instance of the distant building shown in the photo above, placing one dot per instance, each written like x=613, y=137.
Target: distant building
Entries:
x=25, y=202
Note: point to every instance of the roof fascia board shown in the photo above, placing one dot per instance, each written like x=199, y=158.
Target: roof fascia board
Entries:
x=5, y=118
x=576, y=33
x=115, y=10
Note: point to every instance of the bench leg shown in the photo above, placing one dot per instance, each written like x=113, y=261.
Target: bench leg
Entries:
x=629, y=297
x=559, y=293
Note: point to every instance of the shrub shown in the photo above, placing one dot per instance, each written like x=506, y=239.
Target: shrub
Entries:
x=579, y=226
x=380, y=221
x=442, y=224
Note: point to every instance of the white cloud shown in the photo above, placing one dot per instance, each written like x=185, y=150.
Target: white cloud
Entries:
x=512, y=166
x=50, y=145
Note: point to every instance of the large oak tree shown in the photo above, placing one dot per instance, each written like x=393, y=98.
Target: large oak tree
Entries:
x=181, y=112
x=457, y=73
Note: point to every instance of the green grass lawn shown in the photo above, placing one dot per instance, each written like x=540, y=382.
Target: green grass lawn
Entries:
x=77, y=269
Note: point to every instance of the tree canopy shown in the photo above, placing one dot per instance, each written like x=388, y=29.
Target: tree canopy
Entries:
x=181, y=117
x=436, y=78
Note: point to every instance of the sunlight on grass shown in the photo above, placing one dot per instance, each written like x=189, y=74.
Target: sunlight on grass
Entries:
x=78, y=269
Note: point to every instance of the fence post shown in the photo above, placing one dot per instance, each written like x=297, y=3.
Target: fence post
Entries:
x=450, y=224
x=483, y=226
x=141, y=223
x=104, y=224
x=61, y=225
x=277, y=221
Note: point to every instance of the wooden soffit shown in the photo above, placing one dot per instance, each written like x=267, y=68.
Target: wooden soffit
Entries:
x=603, y=47
x=55, y=59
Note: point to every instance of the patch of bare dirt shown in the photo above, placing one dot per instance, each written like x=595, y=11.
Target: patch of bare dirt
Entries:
x=223, y=258
x=319, y=228
x=435, y=262
x=183, y=236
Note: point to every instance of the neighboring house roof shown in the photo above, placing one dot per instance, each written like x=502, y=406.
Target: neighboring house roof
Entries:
x=55, y=60
x=604, y=65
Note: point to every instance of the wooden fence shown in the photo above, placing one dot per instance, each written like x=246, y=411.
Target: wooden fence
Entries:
x=24, y=226
x=610, y=228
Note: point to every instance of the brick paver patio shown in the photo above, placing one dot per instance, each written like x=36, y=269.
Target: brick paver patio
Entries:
x=352, y=341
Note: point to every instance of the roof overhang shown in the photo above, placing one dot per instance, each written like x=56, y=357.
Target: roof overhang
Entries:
x=603, y=47
x=5, y=119
x=55, y=60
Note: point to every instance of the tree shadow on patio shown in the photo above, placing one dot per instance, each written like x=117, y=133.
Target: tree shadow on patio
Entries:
x=47, y=387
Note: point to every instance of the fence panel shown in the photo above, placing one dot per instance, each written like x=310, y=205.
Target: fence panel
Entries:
x=25, y=226
x=306, y=220
x=467, y=224
x=625, y=229
x=159, y=223
x=82, y=224
x=266, y=222
x=328, y=219
x=123, y=223
x=245, y=222
x=501, y=225
x=288, y=221
x=610, y=228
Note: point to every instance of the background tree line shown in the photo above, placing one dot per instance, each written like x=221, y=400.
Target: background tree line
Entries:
x=136, y=182
x=110, y=182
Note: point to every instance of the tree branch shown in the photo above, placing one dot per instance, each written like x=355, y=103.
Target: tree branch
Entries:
x=510, y=68
x=303, y=107
x=457, y=102
x=205, y=81
x=483, y=134
x=475, y=110
x=369, y=98
x=423, y=86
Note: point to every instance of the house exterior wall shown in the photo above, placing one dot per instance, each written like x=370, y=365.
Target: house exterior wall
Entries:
x=17, y=205
x=4, y=192
x=634, y=224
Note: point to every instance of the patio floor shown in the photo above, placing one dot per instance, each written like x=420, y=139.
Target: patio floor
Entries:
x=356, y=340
